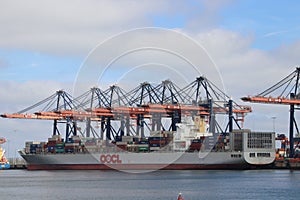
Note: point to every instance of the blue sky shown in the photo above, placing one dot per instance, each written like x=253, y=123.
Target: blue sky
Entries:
x=43, y=44
x=273, y=23
x=21, y=65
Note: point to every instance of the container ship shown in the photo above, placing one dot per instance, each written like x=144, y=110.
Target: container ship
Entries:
x=150, y=127
x=191, y=146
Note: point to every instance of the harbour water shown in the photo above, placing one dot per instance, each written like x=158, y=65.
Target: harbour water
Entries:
x=159, y=185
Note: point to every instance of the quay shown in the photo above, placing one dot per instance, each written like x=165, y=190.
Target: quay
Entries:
x=17, y=163
x=286, y=163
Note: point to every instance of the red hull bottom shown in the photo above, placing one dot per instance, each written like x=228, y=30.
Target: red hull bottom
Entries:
x=137, y=167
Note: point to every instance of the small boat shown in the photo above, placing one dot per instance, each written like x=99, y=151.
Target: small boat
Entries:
x=180, y=196
x=4, y=165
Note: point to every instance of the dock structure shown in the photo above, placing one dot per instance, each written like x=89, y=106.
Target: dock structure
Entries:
x=17, y=163
x=285, y=92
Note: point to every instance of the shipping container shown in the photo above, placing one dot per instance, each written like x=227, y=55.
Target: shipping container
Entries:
x=143, y=148
x=143, y=142
x=59, y=147
x=69, y=150
x=32, y=151
x=123, y=147
x=69, y=140
x=154, y=148
x=59, y=150
x=156, y=138
x=197, y=141
x=121, y=143
x=154, y=145
x=118, y=138
x=51, y=149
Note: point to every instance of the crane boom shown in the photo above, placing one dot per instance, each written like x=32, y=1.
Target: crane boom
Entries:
x=287, y=92
x=272, y=100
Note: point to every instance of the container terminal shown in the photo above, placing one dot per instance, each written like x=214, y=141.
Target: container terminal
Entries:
x=285, y=92
x=158, y=127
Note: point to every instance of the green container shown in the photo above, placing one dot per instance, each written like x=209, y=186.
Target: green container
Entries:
x=143, y=148
x=59, y=150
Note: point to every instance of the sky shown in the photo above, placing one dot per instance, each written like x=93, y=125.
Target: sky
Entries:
x=245, y=46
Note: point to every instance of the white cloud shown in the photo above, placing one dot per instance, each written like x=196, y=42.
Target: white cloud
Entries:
x=74, y=27
x=204, y=15
x=16, y=96
x=172, y=51
x=242, y=65
x=70, y=26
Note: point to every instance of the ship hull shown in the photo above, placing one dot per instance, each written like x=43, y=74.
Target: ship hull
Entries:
x=135, y=161
x=138, y=167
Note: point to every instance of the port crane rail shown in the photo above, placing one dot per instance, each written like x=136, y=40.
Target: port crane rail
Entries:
x=285, y=92
x=145, y=103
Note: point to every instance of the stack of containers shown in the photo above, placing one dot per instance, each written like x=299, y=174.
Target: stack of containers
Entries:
x=127, y=139
x=90, y=145
x=227, y=142
x=118, y=138
x=44, y=147
x=143, y=145
x=220, y=143
x=155, y=143
x=60, y=147
x=132, y=148
x=52, y=142
x=168, y=135
x=101, y=145
x=121, y=145
x=196, y=145
x=33, y=147
x=69, y=146
x=27, y=147
x=77, y=143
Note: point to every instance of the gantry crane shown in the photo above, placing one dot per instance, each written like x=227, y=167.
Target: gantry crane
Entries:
x=285, y=92
x=146, y=102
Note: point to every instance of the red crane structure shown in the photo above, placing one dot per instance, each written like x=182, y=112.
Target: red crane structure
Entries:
x=285, y=92
x=146, y=107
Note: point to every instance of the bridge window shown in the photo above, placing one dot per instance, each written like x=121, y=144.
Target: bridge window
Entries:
x=236, y=155
x=252, y=155
x=266, y=155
